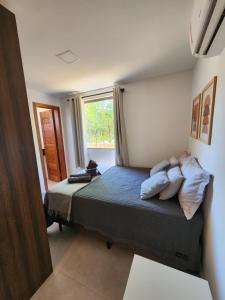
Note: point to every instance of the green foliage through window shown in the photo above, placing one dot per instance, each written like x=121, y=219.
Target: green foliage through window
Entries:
x=99, y=124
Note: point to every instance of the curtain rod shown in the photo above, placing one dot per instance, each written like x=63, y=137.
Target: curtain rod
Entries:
x=99, y=94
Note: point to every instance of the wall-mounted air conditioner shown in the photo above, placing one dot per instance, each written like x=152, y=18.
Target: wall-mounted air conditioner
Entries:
x=207, y=27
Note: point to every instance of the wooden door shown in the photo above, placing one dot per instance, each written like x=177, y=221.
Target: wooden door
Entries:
x=25, y=260
x=51, y=147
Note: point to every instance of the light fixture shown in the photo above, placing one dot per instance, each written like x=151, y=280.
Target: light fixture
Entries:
x=68, y=57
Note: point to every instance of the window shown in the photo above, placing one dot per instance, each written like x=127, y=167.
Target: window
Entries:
x=99, y=123
x=99, y=131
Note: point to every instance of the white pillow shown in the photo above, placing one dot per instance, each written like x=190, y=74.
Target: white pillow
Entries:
x=154, y=185
x=191, y=168
x=176, y=179
x=192, y=191
x=162, y=165
x=185, y=156
x=173, y=161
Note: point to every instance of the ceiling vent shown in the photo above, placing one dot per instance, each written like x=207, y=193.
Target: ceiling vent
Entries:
x=68, y=57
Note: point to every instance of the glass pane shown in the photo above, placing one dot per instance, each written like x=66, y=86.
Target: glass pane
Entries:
x=99, y=124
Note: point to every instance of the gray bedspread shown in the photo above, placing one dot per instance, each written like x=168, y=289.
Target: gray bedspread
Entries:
x=112, y=206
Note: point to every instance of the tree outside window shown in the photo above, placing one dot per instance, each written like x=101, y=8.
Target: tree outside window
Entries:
x=99, y=123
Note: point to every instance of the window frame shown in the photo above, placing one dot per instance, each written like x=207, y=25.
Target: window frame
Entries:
x=97, y=99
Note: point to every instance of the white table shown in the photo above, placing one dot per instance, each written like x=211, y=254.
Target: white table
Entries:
x=149, y=280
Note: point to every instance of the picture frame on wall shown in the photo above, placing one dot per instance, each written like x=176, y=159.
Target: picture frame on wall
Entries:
x=196, y=106
x=207, y=111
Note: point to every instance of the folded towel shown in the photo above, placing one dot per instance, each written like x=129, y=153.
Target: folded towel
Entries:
x=84, y=178
x=84, y=173
x=93, y=172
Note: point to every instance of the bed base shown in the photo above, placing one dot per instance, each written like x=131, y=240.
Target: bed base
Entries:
x=109, y=245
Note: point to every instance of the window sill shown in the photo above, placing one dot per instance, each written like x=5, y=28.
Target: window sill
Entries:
x=97, y=148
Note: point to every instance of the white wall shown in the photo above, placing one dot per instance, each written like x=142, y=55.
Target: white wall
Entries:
x=157, y=115
x=35, y=96
x=212, y=158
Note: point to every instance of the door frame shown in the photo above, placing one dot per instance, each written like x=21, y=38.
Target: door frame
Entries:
x=59, y=139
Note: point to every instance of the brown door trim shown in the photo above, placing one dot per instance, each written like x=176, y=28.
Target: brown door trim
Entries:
x=59, y=137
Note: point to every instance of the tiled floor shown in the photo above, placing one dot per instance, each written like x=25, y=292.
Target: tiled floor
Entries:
x=60, y=242
x=84, y=268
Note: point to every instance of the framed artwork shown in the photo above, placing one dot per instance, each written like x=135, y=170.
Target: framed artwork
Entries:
x=207, y=110
x=195, y=116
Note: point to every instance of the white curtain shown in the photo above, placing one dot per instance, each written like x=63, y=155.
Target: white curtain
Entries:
x=120, y=130
x=78, y=132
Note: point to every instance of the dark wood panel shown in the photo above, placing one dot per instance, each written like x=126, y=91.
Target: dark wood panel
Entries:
x=24, y=251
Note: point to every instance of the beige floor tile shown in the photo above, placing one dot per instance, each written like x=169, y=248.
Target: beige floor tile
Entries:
x=60, y=241
x=92, y=264
x=60, y=287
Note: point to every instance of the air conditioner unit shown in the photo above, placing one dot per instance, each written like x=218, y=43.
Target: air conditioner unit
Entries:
x=207, y=27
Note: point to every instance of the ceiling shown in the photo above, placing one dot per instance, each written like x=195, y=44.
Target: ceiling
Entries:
x=117, y=41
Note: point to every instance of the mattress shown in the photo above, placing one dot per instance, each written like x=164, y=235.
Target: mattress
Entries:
x=112, y=206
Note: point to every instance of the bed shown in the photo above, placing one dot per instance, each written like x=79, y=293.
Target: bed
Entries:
x=111, y=205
